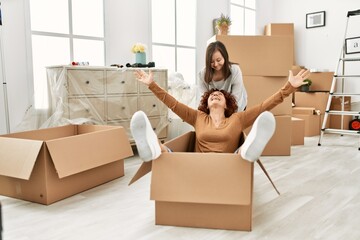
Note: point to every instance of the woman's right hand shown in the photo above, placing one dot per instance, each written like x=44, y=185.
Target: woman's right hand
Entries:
x=144, y=77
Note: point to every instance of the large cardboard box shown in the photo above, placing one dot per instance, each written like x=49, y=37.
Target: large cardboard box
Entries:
x=48, y=165
x=281, y=29
x=317, y=100
x=297, y=131
x=207, y=190
x=260, y=88
x=260, y=55
x=280, y=142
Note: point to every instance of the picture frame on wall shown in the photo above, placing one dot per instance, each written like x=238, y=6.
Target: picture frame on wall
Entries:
x=352, y=45
x=315, y=19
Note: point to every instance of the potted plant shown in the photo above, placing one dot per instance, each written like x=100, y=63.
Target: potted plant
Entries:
x=306, y=87
x=222, y=24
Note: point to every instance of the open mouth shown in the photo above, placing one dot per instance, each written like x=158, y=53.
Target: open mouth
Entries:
x=215, y=98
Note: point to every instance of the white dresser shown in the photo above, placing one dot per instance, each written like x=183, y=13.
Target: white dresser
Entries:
x=104, y=95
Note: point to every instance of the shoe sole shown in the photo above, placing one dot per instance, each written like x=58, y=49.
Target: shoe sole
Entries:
x=260, y=134
x=145, y=138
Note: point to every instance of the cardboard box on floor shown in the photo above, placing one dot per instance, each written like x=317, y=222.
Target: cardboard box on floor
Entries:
x=297, y=131
x=260, y=55
x=335, y=120
x=260, y=88
x=280, y=142
x=313, y=120
x=206, y=190
x=48, y=165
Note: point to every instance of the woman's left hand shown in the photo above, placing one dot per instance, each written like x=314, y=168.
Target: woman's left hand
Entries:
x=298, y=80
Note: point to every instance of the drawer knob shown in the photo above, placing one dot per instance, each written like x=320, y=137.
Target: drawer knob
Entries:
x=154, y=105
x=154, y=129
x=123, y=82
x=87, y=82
x=122, y=107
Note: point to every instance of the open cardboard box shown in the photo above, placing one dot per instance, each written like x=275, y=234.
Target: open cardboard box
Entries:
x=48, y=165
x=207, y=190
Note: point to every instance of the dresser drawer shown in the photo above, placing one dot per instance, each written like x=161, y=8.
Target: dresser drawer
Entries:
x=152, y=106
x=85, y=82
x=92, y=108
x=121, y=82
x=160, y=126
x=121, y=107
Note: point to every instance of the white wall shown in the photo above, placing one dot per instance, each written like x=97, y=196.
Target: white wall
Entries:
x=320, y=47
x=127, y=23
x=15, y=60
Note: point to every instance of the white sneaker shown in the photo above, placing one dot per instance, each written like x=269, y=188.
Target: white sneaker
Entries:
x=145, y=138
x=260, y=134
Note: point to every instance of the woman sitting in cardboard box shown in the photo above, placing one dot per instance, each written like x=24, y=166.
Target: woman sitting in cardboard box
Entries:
x=217, y=125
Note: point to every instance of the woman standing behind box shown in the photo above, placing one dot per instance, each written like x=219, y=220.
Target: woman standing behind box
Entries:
x=220, y=73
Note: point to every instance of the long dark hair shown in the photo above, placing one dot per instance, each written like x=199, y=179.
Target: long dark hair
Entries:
x=231, y=104
x=209, y=71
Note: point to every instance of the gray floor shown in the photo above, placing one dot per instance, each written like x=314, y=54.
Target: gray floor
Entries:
x=320, y=199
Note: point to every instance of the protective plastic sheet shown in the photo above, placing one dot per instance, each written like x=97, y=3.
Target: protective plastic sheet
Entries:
x=106, y=96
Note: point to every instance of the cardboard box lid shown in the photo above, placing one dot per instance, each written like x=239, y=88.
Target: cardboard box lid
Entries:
x=202, y=178
x=18, y=157
x=79, y=153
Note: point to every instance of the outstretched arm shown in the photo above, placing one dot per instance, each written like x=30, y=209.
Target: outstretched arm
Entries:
x=186, y=113
x=293, y=83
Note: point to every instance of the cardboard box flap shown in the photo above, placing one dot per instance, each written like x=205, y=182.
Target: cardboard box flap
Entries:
x=69, y=160
x=144, y=169
x=202, y=178
x=18, y=157
x=183, y=143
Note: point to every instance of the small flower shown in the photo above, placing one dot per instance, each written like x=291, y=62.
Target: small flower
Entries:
x=138, y=48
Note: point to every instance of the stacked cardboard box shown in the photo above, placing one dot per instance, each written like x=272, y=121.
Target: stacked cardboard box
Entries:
x=317, y=98
x=265, y=62
x=340, y=104
x=281, y=29
x=48, y=165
